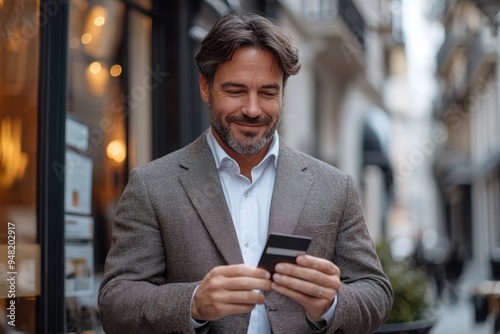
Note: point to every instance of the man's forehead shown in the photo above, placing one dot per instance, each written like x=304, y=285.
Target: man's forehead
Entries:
x=250, y=65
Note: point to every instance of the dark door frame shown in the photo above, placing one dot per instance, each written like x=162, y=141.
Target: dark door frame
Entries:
x=51, y=156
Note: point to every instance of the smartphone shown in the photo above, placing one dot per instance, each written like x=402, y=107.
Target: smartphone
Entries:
x=282, y=248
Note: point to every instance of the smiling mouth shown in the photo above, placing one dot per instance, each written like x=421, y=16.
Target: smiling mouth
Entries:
x=244, y=120
x=250, y=125
x=250, y=129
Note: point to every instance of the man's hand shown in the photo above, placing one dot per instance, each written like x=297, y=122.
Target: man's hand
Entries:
x=229, y=290
x=312, y=282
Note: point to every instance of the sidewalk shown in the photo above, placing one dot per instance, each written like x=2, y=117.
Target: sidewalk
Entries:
x=458, y=317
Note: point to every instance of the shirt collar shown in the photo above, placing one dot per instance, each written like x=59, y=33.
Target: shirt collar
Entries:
x=220, y=155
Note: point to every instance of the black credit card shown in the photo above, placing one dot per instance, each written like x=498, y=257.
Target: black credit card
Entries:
x=282, y=248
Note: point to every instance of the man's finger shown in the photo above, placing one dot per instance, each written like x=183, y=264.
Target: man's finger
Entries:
x=239, y=270
x=317, y=263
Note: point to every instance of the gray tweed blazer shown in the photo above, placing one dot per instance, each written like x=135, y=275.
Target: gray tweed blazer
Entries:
x=173, y=226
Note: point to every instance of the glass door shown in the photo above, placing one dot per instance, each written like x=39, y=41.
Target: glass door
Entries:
x=108, y=131
x=95, y=152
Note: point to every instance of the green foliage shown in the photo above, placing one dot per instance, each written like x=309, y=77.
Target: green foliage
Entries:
x=410, y=287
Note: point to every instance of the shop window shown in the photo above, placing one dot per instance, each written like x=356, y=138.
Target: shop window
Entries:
x=19, y=251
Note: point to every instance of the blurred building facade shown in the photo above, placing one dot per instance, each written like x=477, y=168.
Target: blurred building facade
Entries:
x=467, y=168
x=335, y=108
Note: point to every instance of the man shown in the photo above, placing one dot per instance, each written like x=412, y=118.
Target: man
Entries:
x=191, y=226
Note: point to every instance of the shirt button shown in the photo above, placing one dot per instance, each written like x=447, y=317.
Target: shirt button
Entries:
x=246, y=243
x=246, y=193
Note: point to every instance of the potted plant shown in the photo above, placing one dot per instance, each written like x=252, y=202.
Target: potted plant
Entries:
x=410, y=312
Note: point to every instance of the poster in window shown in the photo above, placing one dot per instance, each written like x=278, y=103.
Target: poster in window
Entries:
x=79, y=270
x=78, y=187
x=77, y=135
x=78, y=227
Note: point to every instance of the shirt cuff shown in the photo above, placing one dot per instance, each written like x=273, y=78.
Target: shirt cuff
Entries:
x=195, y=323
x=327, y=316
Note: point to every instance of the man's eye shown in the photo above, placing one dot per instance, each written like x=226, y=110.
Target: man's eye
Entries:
x=269, y=94
x=235, y=92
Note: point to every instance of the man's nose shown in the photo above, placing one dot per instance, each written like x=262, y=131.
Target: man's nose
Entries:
x=251, y=107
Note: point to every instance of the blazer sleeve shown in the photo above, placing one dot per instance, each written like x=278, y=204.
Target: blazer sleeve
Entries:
x=134, y=296
x=365, y=295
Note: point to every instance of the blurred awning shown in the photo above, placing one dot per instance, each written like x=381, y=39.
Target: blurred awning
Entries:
x=453, y=167
x=375, y=153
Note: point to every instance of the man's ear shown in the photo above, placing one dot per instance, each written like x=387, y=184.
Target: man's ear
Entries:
x=204, y=90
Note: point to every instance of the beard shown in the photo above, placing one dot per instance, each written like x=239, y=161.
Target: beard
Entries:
x=250, y=143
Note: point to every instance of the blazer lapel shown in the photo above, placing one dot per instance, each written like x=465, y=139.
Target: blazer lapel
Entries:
x=202, y=184
x=291, y=187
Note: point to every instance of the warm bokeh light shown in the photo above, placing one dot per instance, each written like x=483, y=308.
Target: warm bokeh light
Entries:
x=101, y=33
x=115, y=70
x=97, y=75
x=95, y=67
x=99, y=20
x=116, y=151
x=12, y=158
x=86, y=38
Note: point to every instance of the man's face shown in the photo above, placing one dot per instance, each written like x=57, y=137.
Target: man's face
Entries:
x=245, y=100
